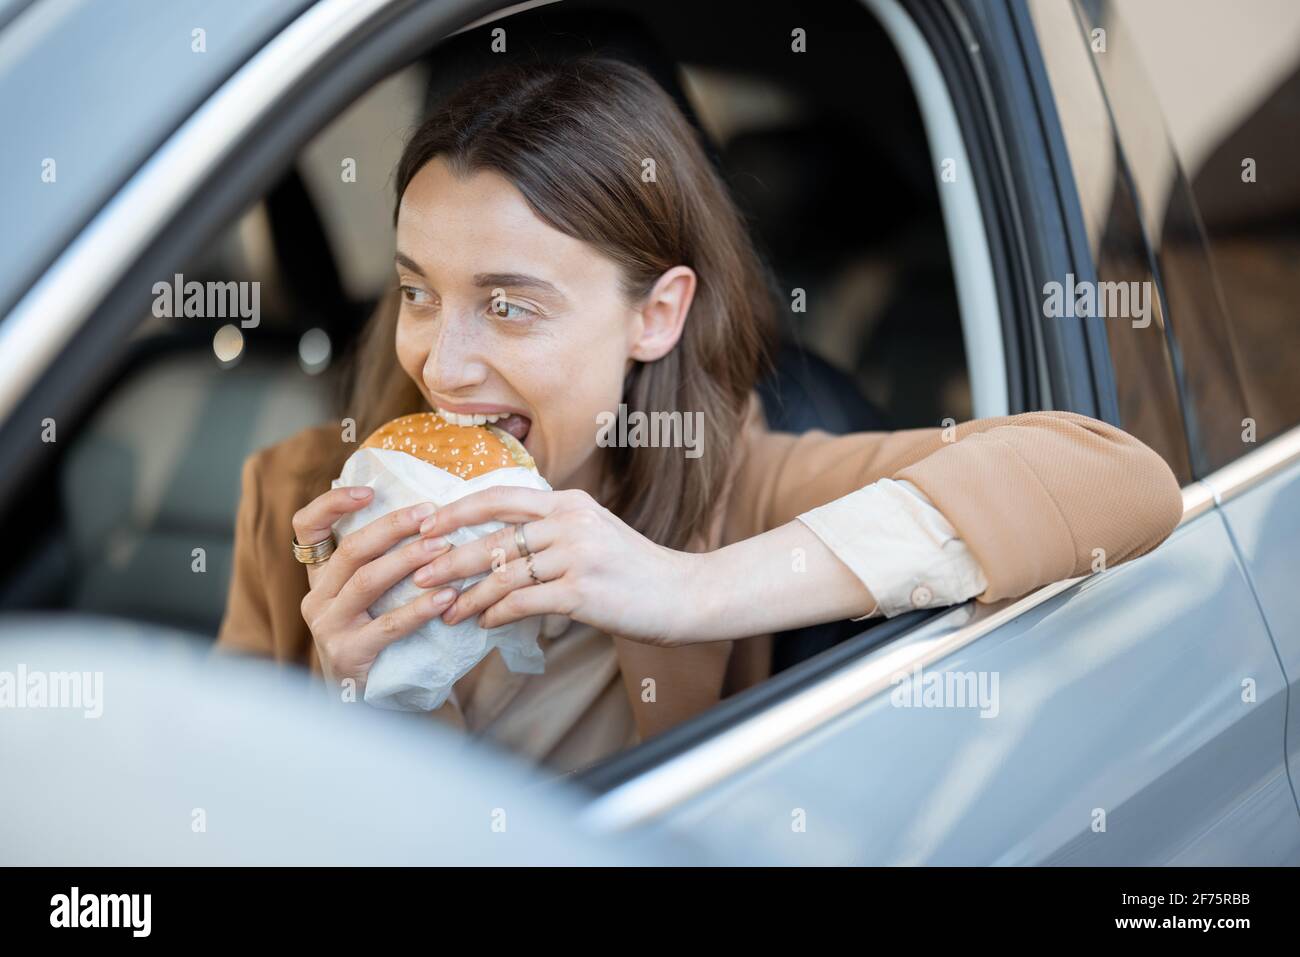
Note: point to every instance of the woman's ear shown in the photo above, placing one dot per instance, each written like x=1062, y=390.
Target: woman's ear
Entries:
x=663, y=315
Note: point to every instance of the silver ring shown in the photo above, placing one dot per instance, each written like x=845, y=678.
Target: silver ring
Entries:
x=528, y=560
x=521, y=543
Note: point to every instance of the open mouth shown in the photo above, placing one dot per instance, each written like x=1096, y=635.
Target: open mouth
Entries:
x=512, y=422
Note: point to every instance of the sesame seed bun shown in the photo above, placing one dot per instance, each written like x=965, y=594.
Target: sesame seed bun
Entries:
x=463, y=450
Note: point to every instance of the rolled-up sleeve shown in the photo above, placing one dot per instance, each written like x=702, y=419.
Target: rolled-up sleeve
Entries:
x=1035, y=497
x=899, y=546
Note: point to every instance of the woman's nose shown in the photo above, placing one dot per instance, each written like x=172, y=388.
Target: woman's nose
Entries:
x=453, y=363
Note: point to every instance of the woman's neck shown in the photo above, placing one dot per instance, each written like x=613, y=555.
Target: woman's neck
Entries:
x=590, y=477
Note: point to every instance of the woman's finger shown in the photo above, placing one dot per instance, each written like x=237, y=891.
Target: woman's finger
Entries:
x=492, y=551
x=548, y=565
x=549, y=598
x=366, y=544
x=502, y=503
x=372, y=579
x=312, y=523
x=400, y=622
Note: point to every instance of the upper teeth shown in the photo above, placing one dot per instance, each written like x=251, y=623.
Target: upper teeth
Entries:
x=476, y=419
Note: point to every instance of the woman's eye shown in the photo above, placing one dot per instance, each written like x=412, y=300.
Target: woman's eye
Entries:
x=413, y=295
x=505, y=309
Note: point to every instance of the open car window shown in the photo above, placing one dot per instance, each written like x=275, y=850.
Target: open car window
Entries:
x=845, y=196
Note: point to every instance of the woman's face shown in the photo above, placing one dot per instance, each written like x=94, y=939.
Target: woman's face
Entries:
x=501, y=314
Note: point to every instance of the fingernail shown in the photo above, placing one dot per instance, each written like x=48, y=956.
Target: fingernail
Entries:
x=429, y=525
x=360, y=492
x=445, y=597
x=422, y=511
x=435, y=544
x=423, y=576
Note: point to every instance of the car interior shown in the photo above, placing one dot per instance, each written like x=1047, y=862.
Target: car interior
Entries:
x=826, y=156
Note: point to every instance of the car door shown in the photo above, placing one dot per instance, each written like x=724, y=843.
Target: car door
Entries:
x=1261, y=504
x=1133, y=717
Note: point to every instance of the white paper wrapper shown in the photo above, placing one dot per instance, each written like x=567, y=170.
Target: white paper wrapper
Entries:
x=416, y=673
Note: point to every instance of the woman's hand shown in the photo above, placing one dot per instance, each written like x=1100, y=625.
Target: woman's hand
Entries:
x=592, y=566
x=361, y=569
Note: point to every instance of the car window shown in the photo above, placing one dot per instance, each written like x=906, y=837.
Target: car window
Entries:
x=1197, y=100
x=840, y=195
x=1228, y=87
x=1141, y=350
x=147, y=490
x=127, y=96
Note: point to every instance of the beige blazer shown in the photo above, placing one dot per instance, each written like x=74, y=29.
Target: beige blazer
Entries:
x=1032, y=496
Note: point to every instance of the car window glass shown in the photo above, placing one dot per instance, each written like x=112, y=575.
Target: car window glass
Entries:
x=1140, y=346
x=1182, y=81
x=1227, y=81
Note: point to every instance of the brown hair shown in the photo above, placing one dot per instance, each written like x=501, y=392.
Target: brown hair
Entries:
x=571, y=136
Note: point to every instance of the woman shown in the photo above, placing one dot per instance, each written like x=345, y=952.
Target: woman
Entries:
x=564, y=246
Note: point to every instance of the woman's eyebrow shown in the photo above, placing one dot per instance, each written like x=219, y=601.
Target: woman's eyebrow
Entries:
x=407, y=262
x=515, y=280
x=491, y=280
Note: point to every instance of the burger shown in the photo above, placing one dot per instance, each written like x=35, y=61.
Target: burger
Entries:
x=465, y=451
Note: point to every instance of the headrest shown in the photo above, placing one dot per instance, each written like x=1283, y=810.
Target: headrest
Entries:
x=557, y=32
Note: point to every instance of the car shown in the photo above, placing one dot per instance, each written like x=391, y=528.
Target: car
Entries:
x=975, y=207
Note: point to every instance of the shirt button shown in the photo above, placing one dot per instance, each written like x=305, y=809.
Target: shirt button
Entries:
x=921, y=596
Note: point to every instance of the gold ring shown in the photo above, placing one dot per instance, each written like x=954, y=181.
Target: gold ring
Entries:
x=528, y=560
x=521, y=543
x=315, y=553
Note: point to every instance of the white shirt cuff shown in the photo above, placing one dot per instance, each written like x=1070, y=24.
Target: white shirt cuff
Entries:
x=900, y=546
